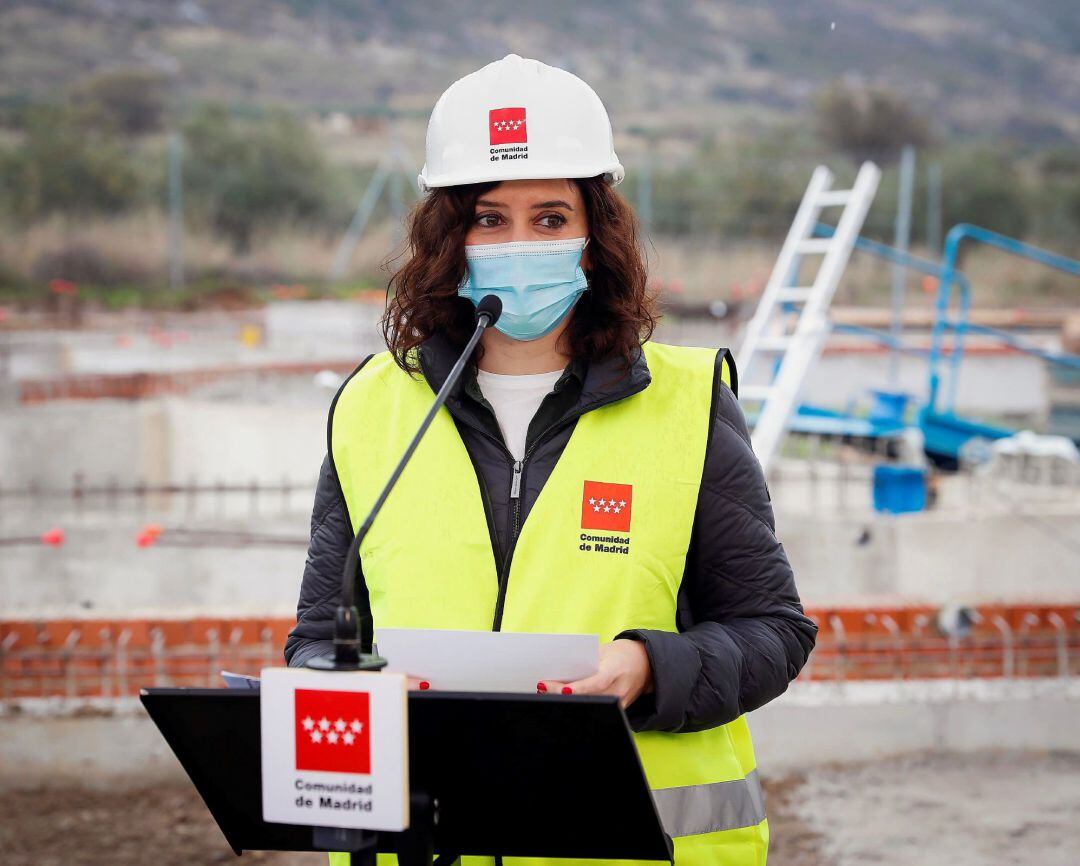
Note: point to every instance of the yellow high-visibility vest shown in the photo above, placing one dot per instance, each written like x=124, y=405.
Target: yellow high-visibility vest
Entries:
x=428, y=560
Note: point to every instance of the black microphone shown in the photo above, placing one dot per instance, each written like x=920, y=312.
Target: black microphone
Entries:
x=490, y=307
x=347, y=645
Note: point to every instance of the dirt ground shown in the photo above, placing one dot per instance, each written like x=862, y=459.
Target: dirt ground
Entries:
x=161, y=826
x=984, y=809
x=989, y=809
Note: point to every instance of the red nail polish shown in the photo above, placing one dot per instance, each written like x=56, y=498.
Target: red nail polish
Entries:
x=566, y=690
x=541, y=688
x=424, y=685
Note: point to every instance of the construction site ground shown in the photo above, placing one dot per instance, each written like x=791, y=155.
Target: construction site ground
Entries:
x=931, y=809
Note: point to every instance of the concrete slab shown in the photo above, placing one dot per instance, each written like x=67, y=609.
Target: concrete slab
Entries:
x=99, y=742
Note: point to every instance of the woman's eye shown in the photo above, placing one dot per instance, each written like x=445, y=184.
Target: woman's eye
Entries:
x=488, y=220
x=552, y=221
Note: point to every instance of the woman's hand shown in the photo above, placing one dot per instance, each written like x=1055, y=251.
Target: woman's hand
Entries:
x=624, y=672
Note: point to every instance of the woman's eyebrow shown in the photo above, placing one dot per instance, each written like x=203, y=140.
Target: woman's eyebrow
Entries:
x=486, y=202
x=558, y=202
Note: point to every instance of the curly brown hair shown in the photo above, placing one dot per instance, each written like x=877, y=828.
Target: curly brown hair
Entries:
x=613, y=318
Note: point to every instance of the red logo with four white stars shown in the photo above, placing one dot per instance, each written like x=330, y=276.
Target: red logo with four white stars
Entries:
x=507, y=126
x=606, y=506
x=332, y=731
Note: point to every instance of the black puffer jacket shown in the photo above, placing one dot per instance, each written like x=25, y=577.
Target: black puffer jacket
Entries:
x=742, y=635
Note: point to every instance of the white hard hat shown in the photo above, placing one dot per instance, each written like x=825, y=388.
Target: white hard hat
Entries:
x=518, y=119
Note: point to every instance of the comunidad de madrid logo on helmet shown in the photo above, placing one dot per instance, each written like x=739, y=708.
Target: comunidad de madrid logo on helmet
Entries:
x=509, y=152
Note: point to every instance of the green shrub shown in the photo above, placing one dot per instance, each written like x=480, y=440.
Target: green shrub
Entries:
x=240, y=175
x=124, y=101
x=984, y=187
x=868, y=123
x=60, y=166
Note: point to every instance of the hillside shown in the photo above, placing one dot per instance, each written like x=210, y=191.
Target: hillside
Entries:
x=1011, y=69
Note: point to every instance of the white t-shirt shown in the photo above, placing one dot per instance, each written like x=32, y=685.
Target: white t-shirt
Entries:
x=515, y=400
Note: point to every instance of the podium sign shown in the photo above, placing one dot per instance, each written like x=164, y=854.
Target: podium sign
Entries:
x=335, y=749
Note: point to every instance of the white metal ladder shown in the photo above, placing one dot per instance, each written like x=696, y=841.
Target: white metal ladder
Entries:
x=792, y=352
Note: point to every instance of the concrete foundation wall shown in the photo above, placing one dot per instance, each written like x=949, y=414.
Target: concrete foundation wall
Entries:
x=823, y=723
x=49, y=444
x=999, y=385
x=933, y=557
x=813, y=724
x=243, y=442
x=161, y=441
x=106, y=573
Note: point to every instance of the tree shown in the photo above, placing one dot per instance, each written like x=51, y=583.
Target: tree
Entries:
x=62, y=167
x=984, y=187
x=247, y=174
x=868, y=123
x=125, y=101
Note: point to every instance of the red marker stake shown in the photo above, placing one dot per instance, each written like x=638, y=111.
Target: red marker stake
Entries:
x=54, y=537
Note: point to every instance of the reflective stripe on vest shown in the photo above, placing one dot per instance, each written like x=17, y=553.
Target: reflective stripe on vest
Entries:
x=694, y=809
x=603, y=550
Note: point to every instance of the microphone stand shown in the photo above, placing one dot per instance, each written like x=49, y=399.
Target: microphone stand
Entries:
x=347, y=655
x=414, y=846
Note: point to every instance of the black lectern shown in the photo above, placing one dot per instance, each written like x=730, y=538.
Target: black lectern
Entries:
x=490, y=774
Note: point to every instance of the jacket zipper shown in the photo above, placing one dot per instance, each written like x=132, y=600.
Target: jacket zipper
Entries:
x=515, y=501
x=518, y=468
x=515, y=485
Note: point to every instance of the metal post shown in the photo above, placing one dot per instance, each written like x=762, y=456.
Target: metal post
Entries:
x=359, y=222
x=176, y=212
x=157, y=652
x=893, y=628
x=1008, y=652
x=69, y=662
x=267, y=637
x=1023, y=663
x=213, y=641
x=397, y=199
x=645, y=193
x=933, y=208
x=122, y=662
x=10, y=639
x=107, y=656
x=899, y=273
x=837, y=625
x=1061, y=641
x=234, y=657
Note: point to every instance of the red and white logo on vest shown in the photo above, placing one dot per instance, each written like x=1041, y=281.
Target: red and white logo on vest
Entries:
x=507, y=126
x=606, y=506
x=333, y=731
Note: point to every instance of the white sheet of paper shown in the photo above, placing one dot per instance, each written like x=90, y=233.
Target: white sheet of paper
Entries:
x=240, y=681
x=485, y=661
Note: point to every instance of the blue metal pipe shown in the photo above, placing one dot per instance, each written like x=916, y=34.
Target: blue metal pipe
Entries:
x=1063, y=359
x=949, y=272
x=934, y=269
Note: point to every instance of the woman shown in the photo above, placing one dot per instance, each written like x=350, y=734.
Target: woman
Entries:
x=582, y=478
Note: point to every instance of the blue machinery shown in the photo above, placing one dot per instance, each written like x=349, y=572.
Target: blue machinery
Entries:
x=944, y=431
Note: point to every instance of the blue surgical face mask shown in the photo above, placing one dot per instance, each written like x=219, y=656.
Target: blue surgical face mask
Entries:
x=538, y=282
